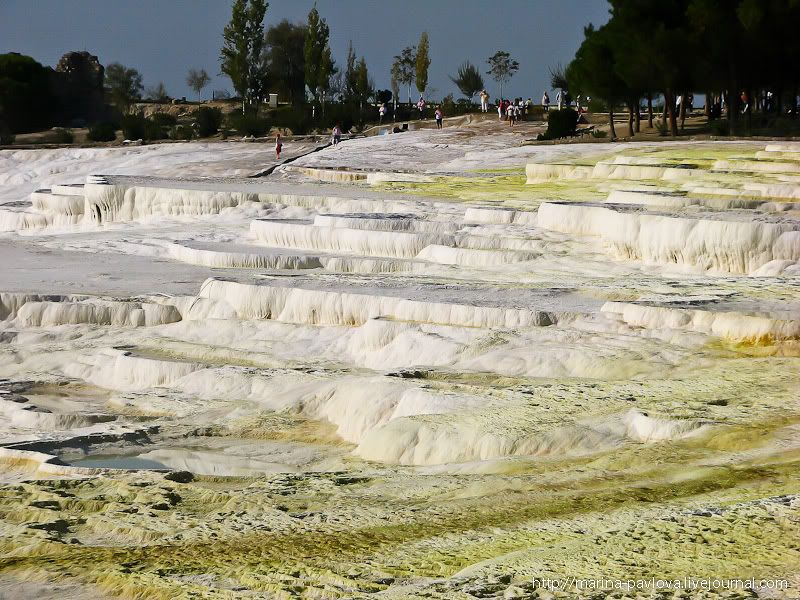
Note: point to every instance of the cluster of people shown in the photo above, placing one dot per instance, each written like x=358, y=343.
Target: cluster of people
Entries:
x=514, y=110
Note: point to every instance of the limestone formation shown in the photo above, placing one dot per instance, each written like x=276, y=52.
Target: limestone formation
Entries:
x=441, y=365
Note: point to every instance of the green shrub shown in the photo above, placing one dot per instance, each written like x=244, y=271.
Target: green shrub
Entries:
x=599, y=133
x=62, y=136
x=181, y=132
x=561, y=123
x=248, y=124
x=163, y=119
x=133, y=127
x=448, y=104
x=208, y=121
x=296, y=118
x=153, y=131
x=102, y=132
x=662, y=127
x=136, y=127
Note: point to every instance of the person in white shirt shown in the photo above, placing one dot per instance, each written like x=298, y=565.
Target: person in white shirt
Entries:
x=546, y=102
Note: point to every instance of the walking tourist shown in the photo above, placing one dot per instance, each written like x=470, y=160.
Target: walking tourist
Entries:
x=484, y=100
x=438, y=115
x=381, y=113
x=546, y=101
x=336, y=135
x=421, y=107
x=278, y=146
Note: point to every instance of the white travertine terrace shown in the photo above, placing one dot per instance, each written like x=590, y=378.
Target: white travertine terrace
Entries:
x=370, y=243
x=733, y=246
x=593, y=349
x=297, y=305
x=731, y=325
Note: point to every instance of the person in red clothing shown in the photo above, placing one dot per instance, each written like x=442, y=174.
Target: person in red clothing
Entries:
x=278, y=146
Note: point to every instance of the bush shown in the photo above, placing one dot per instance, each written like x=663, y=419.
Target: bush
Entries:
x=133, y=127
x=561, y=123
x=102, y=132
x=153, y=131
x=181, y=132
x=62, y=136
x=662, y=127
x=448, y=104
x=136, y=127
x=296, y=118
x=163, y=119
x=208, y=121
x=599, y=133
x=248, y=124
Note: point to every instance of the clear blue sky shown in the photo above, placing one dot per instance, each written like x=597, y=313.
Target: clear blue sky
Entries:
x=164, y=38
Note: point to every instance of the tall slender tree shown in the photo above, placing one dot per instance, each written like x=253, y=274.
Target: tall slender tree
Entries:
x=319, y=63
x=422, y=62
x=363, y=87
x=241, y=56
x=350, y=72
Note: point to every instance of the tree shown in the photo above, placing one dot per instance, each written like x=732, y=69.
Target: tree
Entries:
x=26, y=99
x=158, y=93
x=383, y=96
x=404, y=68
x=125, y=85
x=422, y=62
x=502, y=68
x=655, y=51
x=350, y=72
x=468, y=79
x=241, y=56
x=285, y=61
x=317, y=53
x=197, y=80
x=592, y=72
x=363, y=85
